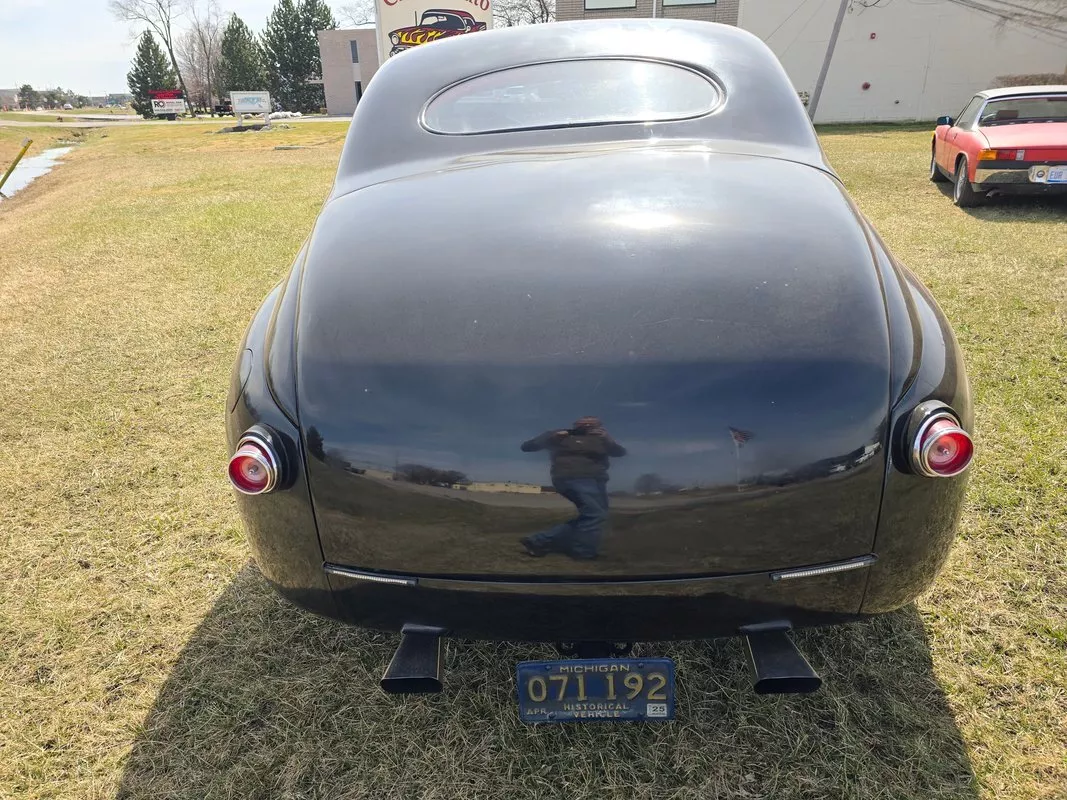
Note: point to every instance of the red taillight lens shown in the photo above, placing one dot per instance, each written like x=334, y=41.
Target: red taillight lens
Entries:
x=942, y=448
x=1011, y=155
x=254, y=467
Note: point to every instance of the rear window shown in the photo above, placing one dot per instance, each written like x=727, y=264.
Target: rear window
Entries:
x=562, y=94
x=1013, y=110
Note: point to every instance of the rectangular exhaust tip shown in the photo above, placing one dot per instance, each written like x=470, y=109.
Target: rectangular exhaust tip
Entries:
x=417, y=665
x=778, y=667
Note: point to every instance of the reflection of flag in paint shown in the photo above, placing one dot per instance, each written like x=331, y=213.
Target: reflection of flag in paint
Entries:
x=740, y=437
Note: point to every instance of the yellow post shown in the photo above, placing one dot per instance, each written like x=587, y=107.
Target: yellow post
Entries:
x=25, y=146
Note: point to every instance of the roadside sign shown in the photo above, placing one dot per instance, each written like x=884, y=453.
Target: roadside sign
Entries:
x=162, y=107
x=250, y=102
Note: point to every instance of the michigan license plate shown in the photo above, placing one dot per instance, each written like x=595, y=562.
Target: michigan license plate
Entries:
x=605, y=689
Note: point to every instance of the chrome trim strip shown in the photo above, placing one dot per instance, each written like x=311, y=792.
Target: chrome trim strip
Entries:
x=370, y=577
x=825, y=569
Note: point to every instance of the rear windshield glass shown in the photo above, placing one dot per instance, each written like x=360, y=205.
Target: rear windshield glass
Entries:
x=1013, y=110
x=569, y=93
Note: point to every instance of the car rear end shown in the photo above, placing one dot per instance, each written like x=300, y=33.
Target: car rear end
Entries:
x=1037, y=169
x=1025, y=148
x=721, y=315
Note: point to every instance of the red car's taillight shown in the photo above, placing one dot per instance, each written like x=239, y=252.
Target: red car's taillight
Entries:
x=254, y=468
x=1001, y=155
x=941, y=447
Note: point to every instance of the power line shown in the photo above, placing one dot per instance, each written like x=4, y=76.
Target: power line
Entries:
x=784, y=21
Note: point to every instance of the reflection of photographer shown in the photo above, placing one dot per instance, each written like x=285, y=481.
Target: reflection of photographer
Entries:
x=580, y=459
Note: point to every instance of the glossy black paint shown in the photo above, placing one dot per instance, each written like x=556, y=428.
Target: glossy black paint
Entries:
x=705, y=288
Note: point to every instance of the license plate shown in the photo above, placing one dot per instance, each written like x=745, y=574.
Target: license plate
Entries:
x=598, y=689
x=1043, y=174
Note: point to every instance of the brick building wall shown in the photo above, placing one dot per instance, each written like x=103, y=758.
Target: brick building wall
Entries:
x=349, y=60
x=724, y=11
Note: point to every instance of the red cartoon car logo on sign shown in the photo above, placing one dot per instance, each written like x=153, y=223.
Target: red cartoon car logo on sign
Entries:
x=436, y=23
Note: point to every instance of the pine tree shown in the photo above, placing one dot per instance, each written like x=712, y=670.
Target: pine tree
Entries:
x=291, y=50
x=241, y=63
x=151, y=70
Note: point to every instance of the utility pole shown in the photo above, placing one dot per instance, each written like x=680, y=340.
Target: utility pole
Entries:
x=814, y=102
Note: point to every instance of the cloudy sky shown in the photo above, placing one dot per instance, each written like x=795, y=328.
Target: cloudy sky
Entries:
x=77, y=44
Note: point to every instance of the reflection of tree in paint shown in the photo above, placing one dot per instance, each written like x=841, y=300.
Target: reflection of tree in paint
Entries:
x=315, y=444
x=651, y=483
x=429, y=476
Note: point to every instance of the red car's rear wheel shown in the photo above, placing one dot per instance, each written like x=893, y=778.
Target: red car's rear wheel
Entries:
x=936, y=175
x=962, y=193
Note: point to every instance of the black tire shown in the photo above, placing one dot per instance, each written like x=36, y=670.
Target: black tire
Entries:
x=936, y=175
x=962, y=193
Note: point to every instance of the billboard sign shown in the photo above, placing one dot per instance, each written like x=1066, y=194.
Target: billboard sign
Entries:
x=164, y=106
x=403, y=24
x=250, y=102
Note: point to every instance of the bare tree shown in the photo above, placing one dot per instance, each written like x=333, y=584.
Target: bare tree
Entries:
x=194, y=70
x=509, y=13
x=159, y=16
x=361, y=12
x=205, y=35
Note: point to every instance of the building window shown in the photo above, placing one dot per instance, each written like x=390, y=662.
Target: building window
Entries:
x=355, y=51
x=688, y=2
x=596, y=5
x=359, y=91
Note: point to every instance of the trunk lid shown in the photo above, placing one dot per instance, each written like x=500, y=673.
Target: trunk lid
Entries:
x=720, y=314
x=1042, y=141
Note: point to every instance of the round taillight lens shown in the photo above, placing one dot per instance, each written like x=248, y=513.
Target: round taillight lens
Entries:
x=254, y=467
x=943, y=448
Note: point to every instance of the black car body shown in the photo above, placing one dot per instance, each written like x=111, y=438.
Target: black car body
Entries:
x=681, y=264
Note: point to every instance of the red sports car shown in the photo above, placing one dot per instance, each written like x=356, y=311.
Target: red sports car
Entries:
x=1005, y=141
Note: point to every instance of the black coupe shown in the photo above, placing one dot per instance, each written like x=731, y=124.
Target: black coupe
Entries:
x=590, y=345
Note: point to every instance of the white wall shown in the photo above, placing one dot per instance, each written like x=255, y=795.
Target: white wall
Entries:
x=927, y=58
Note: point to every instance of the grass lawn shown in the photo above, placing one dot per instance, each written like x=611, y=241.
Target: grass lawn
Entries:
x=42, y=138
x=143, y=657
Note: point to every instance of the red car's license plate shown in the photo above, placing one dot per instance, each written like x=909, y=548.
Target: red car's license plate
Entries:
x=604, y=689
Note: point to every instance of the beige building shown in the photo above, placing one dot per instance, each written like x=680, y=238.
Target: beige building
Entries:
x=901, y=60
x=724, y=11
x=349, y=60
x=893, y=61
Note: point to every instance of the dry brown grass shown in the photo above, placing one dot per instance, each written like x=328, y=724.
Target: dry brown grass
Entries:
x=143, y=657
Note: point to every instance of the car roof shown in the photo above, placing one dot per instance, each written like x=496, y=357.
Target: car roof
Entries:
x=761, y=113
x=1012, y=91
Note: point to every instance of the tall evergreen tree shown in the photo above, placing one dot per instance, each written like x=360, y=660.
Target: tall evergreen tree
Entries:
x=291, y=50
x=151, y=70
x=241, y=62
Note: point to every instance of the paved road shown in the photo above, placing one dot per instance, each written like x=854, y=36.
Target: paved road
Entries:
x=106, y=122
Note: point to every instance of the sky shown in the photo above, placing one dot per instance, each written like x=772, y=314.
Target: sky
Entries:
x=78, y=45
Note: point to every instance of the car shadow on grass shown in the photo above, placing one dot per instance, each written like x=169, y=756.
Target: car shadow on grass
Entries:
x=266, y=701
x=1014, y=208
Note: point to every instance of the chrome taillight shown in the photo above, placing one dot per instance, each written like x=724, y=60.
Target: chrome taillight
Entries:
x=941, y=448
x=255, y=467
